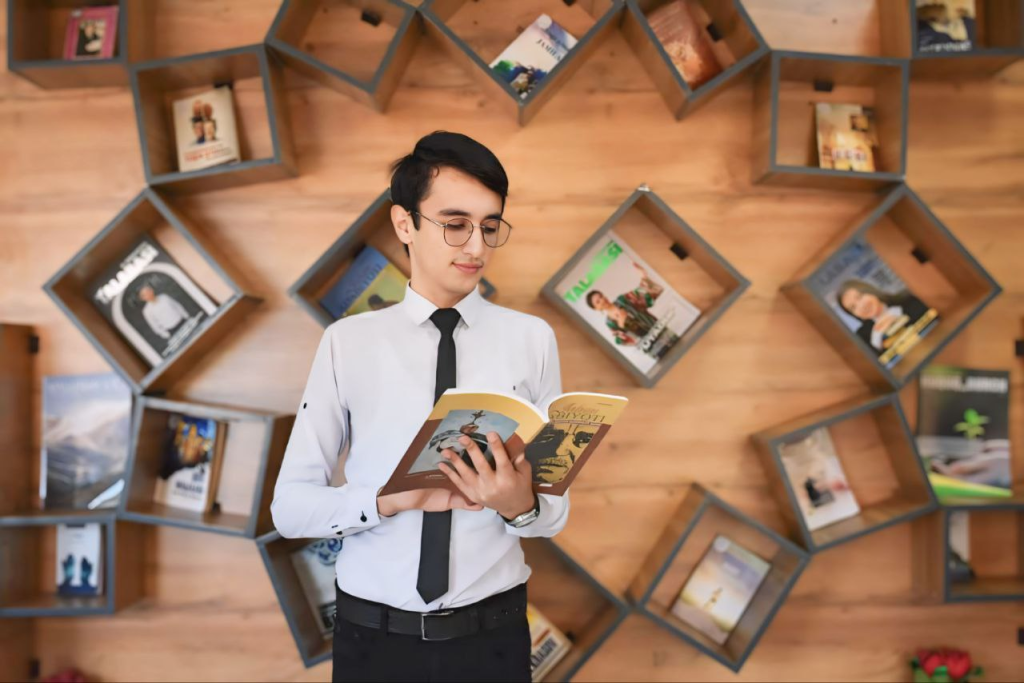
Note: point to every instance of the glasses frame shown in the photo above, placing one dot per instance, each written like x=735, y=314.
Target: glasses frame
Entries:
x=472, y=227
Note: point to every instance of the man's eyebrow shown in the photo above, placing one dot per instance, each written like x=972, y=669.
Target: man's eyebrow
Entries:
x=463, y=212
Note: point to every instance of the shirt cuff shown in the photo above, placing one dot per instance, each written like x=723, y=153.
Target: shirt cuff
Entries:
x=554, y=511
x=359, y=511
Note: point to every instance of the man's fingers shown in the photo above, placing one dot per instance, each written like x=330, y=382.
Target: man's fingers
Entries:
x=523, y=466
x=483, y=468
x=501, y=461
x=460, y=502
x=454, y=478
x=462, y=470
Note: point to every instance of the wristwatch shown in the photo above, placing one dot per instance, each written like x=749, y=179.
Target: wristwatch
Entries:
x=527, y=517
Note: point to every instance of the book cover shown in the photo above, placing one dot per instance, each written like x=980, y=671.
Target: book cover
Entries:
x=79, y=559
x=86, y=438
x=557, y=442
x=847, y=138
x=963, y=430
x=959, y=560
x=314, y=565
x=685, y=41
x=370, y=284
x=627, y=302
x=151, y=301
x=91, y=33
x=816, y=476
x=719, y=590
x=190, y=464
x=533, y=54
x=205, y=130
x=548, y=645
x=871, y=300
x=945, y=25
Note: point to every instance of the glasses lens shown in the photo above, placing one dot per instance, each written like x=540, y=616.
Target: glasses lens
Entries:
x=496, y=231
x=457, y=231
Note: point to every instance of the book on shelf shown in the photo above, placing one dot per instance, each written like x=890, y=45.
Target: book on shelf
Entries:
x=85, y=441
x=679, y=26
x=151, y=301
x=79, y=559
x=314, y=566
x=371, y=283
x=720, y=589
x=91, y=33
x=818, y=481
x=557, y=439
x=959, y=560
x=946, y=25
x=191, y=463
x=847, y=138
x=205, y=129
x=625, y=300
x=548, y=645
x=963, y=431
x=870, y=299
x=533, y=54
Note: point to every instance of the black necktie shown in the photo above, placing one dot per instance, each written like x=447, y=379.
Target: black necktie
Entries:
x=435, y=540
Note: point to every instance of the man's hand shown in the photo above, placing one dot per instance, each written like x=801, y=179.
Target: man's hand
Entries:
x=428, y=500
x=506, y=488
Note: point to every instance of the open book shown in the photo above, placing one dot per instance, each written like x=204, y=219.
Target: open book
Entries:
x=557, y=441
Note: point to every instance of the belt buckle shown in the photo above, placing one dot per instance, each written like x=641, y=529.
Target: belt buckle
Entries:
x=423, y=623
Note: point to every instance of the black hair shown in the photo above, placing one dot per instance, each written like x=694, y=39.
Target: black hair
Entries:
x=412, y=175
x=591, y=295
x=866, y=288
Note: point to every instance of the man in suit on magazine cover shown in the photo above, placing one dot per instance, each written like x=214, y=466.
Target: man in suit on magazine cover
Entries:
x=431, y=584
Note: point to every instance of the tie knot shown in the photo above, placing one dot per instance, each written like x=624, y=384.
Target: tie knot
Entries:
x=445, y=319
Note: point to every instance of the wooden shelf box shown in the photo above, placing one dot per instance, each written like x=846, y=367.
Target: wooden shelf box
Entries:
x=372, y=228
x=253, y=450
x=149, y=215
x=737, y=43
x=678, y=254
x=35, y=46
x=992, y=533
x=999, y=42
x=260, y=109
x=923, y=253
x=700, y=518
x=879, y=456
x=18, y=345
x=28, y=574
x=473, y=34
x=786, y=89
x=358, y=47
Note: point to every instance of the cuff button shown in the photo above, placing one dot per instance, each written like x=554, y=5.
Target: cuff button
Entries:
x=362, y=517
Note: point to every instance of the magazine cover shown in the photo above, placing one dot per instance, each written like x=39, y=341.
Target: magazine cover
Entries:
x=79, y=559
x=548, y=645
x=189, y=468
x=205, y=131
x=627, y=302
x=685, y=41
x=91, y=33
x=314, y=565
x=149, y=299
x=945, y=25
x=870, y=299
x=86, y=437
x=370, y=284
x=718, y=591
x=963, y=430
x=959, y=560
x=847, y=138
x=557, y=444
x=533, y=54
x=817, y=478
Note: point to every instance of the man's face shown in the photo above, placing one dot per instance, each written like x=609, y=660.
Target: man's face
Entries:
x=209, y=130
x=437, y=266
x=147, y=294
x=197, y=130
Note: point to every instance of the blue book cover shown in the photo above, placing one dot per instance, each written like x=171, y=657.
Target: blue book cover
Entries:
x=370, y=283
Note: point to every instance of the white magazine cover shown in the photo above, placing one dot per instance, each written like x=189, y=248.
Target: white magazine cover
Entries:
x=205, y=131
x=79, y=559
x=627, y=302
x=818, y=480
x=314, y=565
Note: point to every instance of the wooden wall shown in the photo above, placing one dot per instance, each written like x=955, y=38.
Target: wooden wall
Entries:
x=70, y=160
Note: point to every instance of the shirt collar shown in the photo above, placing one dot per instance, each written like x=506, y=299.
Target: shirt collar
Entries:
x=419, y=308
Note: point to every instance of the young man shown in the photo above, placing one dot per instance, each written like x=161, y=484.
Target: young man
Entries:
x=431, y=584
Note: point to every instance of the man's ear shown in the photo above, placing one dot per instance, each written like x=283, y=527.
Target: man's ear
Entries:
x=402, y=221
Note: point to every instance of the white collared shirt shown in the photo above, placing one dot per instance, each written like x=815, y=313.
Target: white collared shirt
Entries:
x=370, y=389
x=163, y=314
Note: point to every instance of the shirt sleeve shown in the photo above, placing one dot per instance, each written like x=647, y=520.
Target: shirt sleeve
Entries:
x=305, y=504
x=554, y=510
x=153, y=320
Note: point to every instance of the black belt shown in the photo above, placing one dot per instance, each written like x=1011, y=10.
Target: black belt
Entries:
x=489, y=613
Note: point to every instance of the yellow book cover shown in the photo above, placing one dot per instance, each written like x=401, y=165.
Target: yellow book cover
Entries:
x=548, y=645
x=846, y=137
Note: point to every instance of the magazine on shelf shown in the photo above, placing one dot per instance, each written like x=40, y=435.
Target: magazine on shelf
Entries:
x=847, y=138
x=533, y=54
x=686, y=41
x=370, y=284
x=91, y=33
x=205, y=129
x=548, y=645
x=817, y=478
x=191, y=464
x=946, y=25
x=314, y=566
x=79, y=559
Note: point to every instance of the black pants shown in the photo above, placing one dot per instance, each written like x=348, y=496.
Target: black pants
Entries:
x=362, y=653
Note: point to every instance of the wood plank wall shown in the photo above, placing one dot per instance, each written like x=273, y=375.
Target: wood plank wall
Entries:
x=71, y=160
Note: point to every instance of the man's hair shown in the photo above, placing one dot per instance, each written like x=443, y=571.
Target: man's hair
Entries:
x=412, y=175
x=591, y=295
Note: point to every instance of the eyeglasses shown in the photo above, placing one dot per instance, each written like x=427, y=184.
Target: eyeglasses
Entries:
x=458, y=230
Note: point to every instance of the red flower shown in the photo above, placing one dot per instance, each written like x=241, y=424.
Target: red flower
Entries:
x=929, y=661
x=958, y=663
